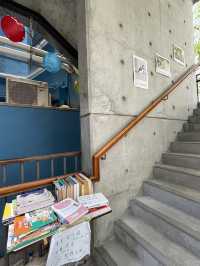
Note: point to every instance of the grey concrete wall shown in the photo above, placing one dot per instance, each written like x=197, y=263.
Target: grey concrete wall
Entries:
x=112, y=31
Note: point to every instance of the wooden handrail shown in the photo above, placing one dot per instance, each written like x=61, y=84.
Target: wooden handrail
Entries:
x=41, y=157
x=106, y=147
x=10, y=190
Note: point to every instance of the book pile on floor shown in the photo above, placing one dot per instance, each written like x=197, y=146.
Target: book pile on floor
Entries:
x=73, y=187
x=33, y=216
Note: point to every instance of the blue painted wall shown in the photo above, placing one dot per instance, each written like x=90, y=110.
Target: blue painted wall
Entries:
x=36, y=131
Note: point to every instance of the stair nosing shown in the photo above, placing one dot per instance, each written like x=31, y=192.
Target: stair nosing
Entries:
x=99, y=252
x=135, y=236
x=145, y=243
x=186, y=142
x=191, y=123
x=181, y=226
x=179, y=154
x=119, y=243
x=188, y=132
x=165, y=186
x=178, y=169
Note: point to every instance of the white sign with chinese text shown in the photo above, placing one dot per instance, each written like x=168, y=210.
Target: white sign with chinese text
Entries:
x=70, y=245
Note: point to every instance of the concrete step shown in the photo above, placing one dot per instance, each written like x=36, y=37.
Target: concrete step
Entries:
x=114, y=253
x=189, y=136
x=194, y=119
x=185, y=147
x=178, y=175
x=180, y=197
x=182, y=159
x=194, y=126
x=175, y=224
x=144, y=239
x=99, y=257
x=196, y=111
x=187, y=127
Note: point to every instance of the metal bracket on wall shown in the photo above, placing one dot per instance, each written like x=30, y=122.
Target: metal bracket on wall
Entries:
x=165, y=98
x=103, y=158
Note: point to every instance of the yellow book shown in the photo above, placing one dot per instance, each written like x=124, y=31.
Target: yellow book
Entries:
x=8, y=212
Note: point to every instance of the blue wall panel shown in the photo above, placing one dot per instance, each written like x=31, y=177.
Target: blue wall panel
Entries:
x=36, y=131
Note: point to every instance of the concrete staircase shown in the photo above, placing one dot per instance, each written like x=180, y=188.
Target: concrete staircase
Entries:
x=163, y=226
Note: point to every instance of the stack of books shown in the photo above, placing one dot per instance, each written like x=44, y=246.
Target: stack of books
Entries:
x=73, y=187
x=27, y=202
x=33, y=200
x=97, y=204
x=34, y=215
x=69, y=211
x=31, y=227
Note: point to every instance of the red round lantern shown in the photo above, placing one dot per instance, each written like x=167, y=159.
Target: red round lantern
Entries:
x=13, y=29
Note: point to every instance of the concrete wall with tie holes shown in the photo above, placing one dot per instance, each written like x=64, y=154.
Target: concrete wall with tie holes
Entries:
x=110, y=33
x=107, y=34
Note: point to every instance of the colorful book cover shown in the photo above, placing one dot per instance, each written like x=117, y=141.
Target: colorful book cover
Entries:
x=30, y=222
x=14, y=243
x=69, y=210
x=21, y=226
x=40, y=218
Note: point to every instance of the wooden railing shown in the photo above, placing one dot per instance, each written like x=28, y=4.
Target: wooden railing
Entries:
x=106, y=147
x=15, y=189
x=39, y=182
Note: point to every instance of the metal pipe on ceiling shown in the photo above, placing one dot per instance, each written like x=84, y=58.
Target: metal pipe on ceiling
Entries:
x=37, y=52
x=25, y=56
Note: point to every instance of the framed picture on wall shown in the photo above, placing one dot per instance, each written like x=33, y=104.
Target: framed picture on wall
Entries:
x=162, y=65
x=140, y=72
x=179, y=55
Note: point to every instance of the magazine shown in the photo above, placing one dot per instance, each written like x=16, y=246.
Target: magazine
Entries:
x=69, y=210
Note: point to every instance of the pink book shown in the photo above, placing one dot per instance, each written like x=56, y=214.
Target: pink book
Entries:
x=69, y=210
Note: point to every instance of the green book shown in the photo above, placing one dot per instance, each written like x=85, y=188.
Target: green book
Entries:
x=40, y=218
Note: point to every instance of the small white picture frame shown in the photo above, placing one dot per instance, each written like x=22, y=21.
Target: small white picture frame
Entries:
x=140, y=72
x=162, y=65
x=178, y=55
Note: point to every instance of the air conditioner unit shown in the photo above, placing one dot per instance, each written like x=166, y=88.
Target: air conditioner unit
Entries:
x=21, y=91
